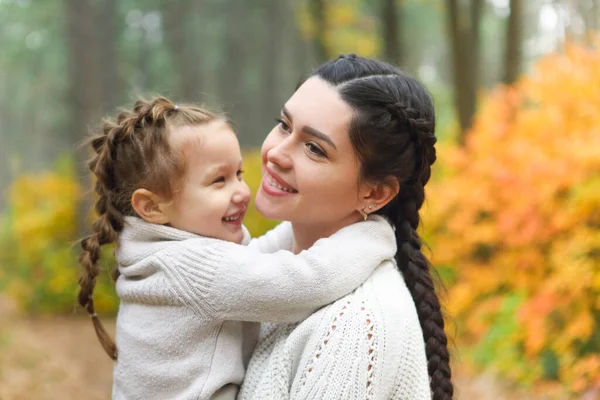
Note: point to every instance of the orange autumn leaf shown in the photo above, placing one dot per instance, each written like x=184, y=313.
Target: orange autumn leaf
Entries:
x=515, y=217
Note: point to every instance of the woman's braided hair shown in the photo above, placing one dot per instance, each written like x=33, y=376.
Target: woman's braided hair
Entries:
x=130, y=153
x=393, y=134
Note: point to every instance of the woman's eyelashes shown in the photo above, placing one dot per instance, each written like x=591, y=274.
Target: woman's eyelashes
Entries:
x=283, y=126
x=315, y=150
x=311, y=147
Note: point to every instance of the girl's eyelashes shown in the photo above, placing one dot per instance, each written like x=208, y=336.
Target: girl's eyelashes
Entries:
x=314, y=149
x=282, y=124
x=222, y=179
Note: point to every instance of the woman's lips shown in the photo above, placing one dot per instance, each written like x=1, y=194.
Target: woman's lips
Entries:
x=276, y=181
x=268, y=188
x=274, y=185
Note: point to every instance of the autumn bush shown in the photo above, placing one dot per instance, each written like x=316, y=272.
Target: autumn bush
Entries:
x=513, y=219
x=38, y=241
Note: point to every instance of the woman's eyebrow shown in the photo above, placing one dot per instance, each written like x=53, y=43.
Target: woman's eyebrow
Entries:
x=310, y=131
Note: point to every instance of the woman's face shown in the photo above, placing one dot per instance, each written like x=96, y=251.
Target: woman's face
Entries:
x=310, y=170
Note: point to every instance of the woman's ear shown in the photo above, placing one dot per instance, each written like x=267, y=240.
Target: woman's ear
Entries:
x=376, y=196
x=149, y=207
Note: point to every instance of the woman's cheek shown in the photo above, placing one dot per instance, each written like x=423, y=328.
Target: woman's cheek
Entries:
x=269, y=142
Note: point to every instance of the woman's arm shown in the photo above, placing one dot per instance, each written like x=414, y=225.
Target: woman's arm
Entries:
x=228, y=281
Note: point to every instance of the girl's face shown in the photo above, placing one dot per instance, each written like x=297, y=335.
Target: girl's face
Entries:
x=213, y=199
x=310, y=170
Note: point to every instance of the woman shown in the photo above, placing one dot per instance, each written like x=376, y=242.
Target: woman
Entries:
x=356, y=138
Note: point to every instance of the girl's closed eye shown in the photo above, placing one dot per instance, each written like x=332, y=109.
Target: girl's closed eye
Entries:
x=220, y=179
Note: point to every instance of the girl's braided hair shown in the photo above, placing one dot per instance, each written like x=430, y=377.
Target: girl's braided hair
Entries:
x=131, y=152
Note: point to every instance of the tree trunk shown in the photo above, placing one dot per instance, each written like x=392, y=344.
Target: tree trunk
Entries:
x=464, y=40
x=107, y=48
x=85, y=94
x=185, y=49
x=391, y=33
x=319, y=16
x=513, y=42
x=590, y=18
x=271, y=63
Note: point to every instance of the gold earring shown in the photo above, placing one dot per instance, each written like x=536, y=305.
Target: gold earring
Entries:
x=364, y=214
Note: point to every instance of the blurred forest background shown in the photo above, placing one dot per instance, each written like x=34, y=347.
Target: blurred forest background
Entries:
x=513, y=217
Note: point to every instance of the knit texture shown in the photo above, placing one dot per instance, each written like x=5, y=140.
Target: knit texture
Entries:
x=366, y=346
x=183, y=297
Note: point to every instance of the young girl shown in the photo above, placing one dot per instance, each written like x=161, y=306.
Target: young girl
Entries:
x=171, y=194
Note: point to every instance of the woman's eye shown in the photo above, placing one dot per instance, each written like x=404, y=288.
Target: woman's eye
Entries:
x=283, y=125
x=314, y=149
x=220, y=179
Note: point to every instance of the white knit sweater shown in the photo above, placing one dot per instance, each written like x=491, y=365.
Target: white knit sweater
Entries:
x=366, y=346
x=183, y=297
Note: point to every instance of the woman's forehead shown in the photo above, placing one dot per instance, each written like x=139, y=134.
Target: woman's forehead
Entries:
x=318, y=104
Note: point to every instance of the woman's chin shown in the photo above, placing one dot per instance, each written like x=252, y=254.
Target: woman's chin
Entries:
x=268, y=208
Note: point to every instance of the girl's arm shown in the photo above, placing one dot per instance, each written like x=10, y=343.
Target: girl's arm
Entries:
x=227, y=281
x=279, y=238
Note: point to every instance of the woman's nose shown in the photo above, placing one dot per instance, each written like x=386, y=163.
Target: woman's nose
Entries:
x=279, y=155
x=241, y=194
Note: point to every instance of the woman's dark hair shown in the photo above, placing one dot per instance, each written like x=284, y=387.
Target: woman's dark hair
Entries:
x=393, y=134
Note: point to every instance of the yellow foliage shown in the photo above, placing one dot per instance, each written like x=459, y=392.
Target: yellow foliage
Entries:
x=38, y=235
x=348, y=28
x=517, y=211
x=254, y=221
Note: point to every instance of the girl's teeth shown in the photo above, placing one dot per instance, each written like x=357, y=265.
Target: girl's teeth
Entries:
x=277, y=185
x=234, y=218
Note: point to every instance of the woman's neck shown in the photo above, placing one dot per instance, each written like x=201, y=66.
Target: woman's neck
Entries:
x=305, y=235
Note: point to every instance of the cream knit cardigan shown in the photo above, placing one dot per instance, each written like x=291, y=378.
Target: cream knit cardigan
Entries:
x=179, y=332
x=366, y=346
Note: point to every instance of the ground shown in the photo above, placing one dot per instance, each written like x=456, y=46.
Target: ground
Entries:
x=41, y=358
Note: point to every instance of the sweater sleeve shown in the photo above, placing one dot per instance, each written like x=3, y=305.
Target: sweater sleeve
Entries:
x=226, y=281
x=279, y=238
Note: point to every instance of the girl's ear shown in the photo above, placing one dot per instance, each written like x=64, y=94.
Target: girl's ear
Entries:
x=376, y=196
x=149, y=207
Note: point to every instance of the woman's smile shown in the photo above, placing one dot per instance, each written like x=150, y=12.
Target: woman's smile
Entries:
x=275, y=185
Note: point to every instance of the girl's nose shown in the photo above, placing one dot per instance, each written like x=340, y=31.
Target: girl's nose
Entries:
x=242, y=193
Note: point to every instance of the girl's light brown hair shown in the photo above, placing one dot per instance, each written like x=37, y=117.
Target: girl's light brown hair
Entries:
x=131, y=152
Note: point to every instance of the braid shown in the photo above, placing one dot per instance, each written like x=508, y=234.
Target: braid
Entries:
x=131, y=152
x=415, y=269
x=404, y=211
x=393, y=135
x=105, y=229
